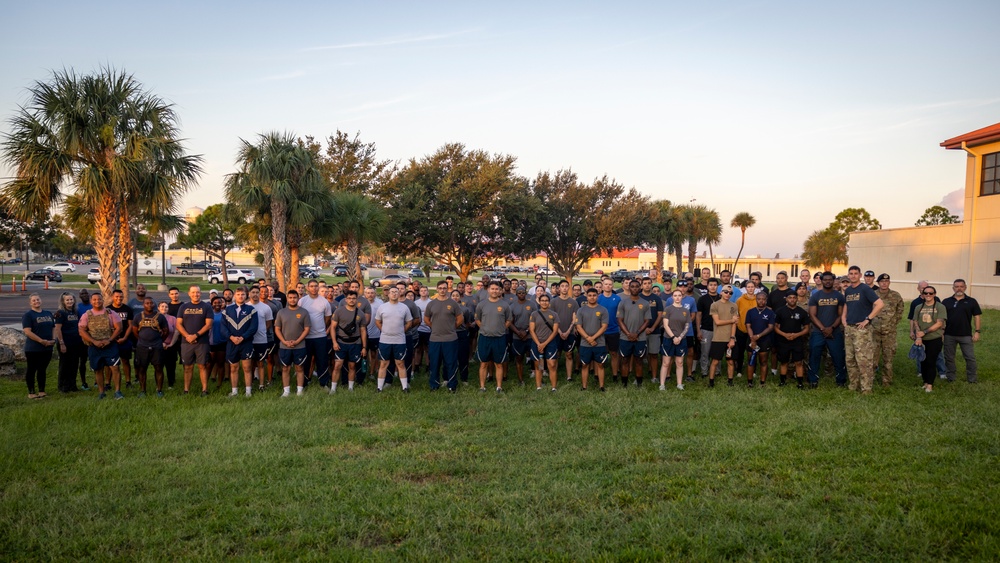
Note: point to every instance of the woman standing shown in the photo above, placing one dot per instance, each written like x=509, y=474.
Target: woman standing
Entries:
x=930, y=317
x=169, y=350
x=71, y=346
x=543, y=327
x=38, y=328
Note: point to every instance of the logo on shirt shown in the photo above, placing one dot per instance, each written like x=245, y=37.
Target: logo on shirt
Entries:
x=640, y=307
x=298, y=315
x=448, y=307
x=598, y=314
x=500, y=309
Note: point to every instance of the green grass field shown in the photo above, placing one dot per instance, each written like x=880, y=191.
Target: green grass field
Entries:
x=631, y=474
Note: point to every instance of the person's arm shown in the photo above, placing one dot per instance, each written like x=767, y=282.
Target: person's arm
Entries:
x=841, y=316
x=531, y=330
x=57, y=334
x=32, y=336
x=876, y=309
x=332, y=331
x=555, y=331
x=976, y=321
x=766, y=331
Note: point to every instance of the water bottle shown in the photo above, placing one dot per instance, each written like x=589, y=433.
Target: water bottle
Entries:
x=753, y=356
x=729, y=352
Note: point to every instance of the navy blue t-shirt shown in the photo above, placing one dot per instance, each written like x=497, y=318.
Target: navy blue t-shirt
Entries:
x=759, y=320
x=42, y=324
x=860, y=301
x=69, y=322
x=826, y=306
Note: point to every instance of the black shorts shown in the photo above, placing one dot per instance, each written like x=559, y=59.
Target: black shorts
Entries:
x=611, y=342
x=718, y=350
x=790, y=351
x=423, y=338
x=192, y=354
x=148, y=356
x=215, y=348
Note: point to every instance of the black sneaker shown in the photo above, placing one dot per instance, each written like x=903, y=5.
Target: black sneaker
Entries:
x=711, y=382
x=750, y=384
x=602, y=389
x=452, y=391
x=377, y=390
x=813, y=385
x=406, y=389
x=729, y=382
x=204, y=393
x=781, y=383
x=800, y=386
x=689, y=379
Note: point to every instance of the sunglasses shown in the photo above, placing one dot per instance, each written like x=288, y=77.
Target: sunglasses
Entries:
x=929, y=293
x=726, y=291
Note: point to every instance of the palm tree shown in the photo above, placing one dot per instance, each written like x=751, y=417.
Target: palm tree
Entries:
x=698, y=224
x=742, y=221
x=358, y=220
x=280, y=175
x=112, y=144
x=664, y=231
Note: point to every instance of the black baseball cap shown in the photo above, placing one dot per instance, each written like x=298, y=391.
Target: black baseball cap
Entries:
x=883, y=277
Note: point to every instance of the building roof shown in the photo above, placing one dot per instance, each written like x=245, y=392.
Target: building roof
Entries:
x=973, y=138
x=627, y=253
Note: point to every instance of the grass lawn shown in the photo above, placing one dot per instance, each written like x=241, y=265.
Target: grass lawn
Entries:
x=703, y=474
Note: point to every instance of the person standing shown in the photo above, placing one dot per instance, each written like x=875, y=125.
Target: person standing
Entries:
x=745, y=302
x=82, y=307
x=918, y=302
x=862, y=305
x=962, y=330
x=291, y=327
x=443, y=316
x=392, y=319
x=612, y=336
x=99, y=328
x=261, y=347
x=791, y=324
x=194, y=321
x=126, y=338
x=493, y=317
x=172, y=352
x=776, y=300
x=217, y=344
x=565, y=306
x=240, y=324
x=137, y=302
x=520, y=338
x=38, y=326
x=592, y=320
x=930, y=319
x=884, y=327
x=420, y=353
x=826, y=307
x=150, y=328
x=760, y=330
x=463, y=342
x=317, y=348
x=633, y=318
x=350, y=338
x=724, y=317
x=67, y=336
x=704, y=320
x=543, y=327
x=653, y=332
x=676, y=323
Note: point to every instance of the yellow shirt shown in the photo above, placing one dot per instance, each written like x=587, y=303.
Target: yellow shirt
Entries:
x=744, y=304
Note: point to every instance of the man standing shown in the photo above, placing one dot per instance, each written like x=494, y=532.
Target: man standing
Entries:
x=610, y=301
x=792, y=327
x=194, y=322
x=350, y=338
x=826, y=307
x=239, y=325
x=746, y=302
x=633, y=319
x=760, y=329
x=565, y=306
x=702, y=285
x=884, y=327
x=520, y=338
x=862, y=305
x=963, y=329
x=443, y=316
x=592, y=320
x=724, y=317
x=124, y=340
x=261, y=347
x=172, y=352
x=703, y=318
x=423, y=331
x=727, y=279
x=150, y=328
x=653, y=332
x=493, y=317
x=137, y=302
x=291, y=327
x=776, y=300
x=392, y=319
x=99, y=328
x=317, y=349
x=870, y=279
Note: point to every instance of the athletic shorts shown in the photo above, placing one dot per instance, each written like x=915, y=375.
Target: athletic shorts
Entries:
x=196, y=353
x=567, y=344
x=627, y=348
x=492, y=349
x=148, y=356
x=520, y=347
x=220, y=347
x=373, y=343
x=591, y=354
x=391, y=351
x=653, y=343
x=790, y=351
x=424, y=338
x=351, y=353
x=675, y=350
x=272, y=347
x=103, y=357
x=550, y=352
x=236, y=353
x=260, y=351
x=691, y=341
x=765, y=344
x=125, y=351
x=292, y=356
x=611, y=342
x=718, y=350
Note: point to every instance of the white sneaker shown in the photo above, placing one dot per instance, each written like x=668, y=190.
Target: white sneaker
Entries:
x=248, y=393
x=774, y=372
x=286, y=394
x=300, y=393
x=234, y=393
x=680, y=387
x=333, y=389
x=663, y=387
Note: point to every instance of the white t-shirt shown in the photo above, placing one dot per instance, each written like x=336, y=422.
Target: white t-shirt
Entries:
x=422, y=304
x=393, y=318
x=264, y=314
x=319, y=309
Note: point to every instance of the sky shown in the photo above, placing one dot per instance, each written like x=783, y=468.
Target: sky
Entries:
x=791, y=111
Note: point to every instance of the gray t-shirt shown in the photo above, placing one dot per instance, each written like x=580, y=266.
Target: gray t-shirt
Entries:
x=493, y=317
x=545, y=322
x=444, y=316
x=677, y=318
x=350, y=324
x=521, y=314
x=631, y=314
x=422, y=305
x=318, y=309
x=393, y=318
x=292, y=323
x=565, y=308
x=264, y=314
x=591, y=319
x=416, y=313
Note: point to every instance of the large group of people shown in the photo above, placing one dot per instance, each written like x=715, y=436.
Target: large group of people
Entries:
x=336, y=334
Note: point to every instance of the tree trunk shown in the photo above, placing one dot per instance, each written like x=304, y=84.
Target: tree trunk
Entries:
x=659, y=261
x=279, y=225
x=353, y=258
x=267, y=249
x=125, y=246
x=743, y=241
x=105, y=232
x=225, y=270
x=711, y=257
x=679, y=257
x=293, y=266
x=692, y=250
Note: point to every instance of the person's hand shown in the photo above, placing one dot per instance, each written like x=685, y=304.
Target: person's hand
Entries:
x=975, y=336
x=62, y=347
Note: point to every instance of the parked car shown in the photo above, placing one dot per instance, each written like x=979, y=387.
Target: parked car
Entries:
x=235, y=274
x=391, y=279
x=63, y=267
x=416, y=273
x=45, y=273
x=619, y=275
x=94, y=276
x=340, y=270
x=598, y=272
x=547, y=271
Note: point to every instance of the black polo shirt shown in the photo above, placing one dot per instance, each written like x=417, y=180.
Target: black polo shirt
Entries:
x=960, y=313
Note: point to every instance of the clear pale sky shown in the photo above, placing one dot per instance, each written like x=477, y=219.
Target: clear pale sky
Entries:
x=789, y=110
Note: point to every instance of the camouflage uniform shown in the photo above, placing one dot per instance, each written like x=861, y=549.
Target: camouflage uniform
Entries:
x=884, y=335
x=860, y=364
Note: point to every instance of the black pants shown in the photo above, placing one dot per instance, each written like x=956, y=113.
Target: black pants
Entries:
x=84, y=363
x=742, y=342
x=928, y=367
x=170, y=363
x=69, y=362
x=38, y=362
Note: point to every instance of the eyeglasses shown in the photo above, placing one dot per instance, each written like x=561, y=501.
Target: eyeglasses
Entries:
x=928, y=293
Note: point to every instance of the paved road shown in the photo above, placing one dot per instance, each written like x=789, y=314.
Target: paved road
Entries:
x=14, y=305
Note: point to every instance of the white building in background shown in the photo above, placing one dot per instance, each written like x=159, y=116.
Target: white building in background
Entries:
x=969, y=250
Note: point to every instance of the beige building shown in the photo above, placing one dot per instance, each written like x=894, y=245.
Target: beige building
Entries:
x=942, y=253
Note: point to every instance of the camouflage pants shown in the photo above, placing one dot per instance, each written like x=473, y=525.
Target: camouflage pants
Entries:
x=860, y=349
x=885, y=350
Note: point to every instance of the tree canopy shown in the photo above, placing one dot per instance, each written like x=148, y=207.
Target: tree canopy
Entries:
x=936, y=215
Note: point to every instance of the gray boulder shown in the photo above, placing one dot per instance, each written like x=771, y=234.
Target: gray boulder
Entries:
x=13, y=339
x=7, y=368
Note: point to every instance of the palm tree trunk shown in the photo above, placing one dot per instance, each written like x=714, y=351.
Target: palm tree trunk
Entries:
x=353, y=258
x=267, y=249
x=293, y=266
x=105, y=233
x=692, y=251
x=279, y=225
x=225, y=270
x=659, y=261
x=125, y=247
x=743, y=241
x=711, y=257
x=679, y=256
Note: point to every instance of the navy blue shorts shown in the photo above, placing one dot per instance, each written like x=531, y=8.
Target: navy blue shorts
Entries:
x=391, y=351
x=492, y=349
x=551, y=351
x=636, y=349
x=590, y=354
x=674, y=350
x=567, y=344
x=292, y=356
x=104, y=357
x=236, y=353
x=348, y=352
x=520, y=347
x=261, y=351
